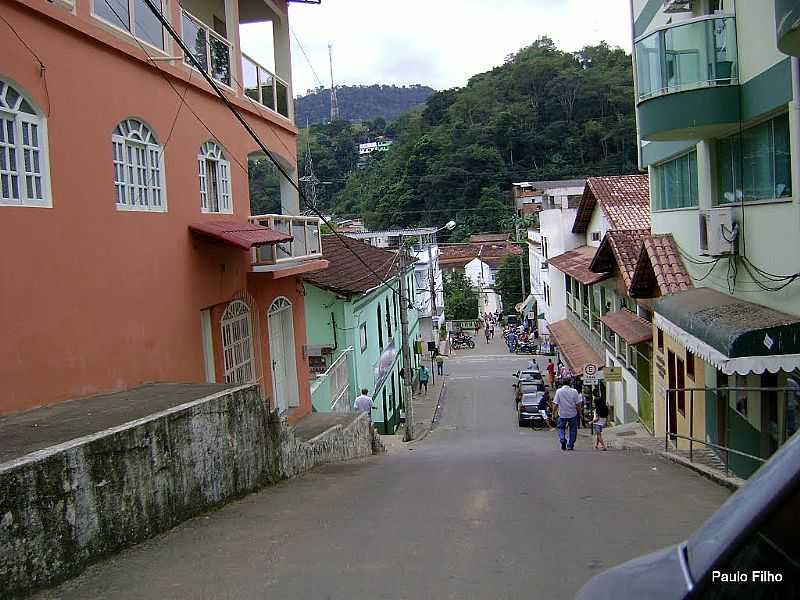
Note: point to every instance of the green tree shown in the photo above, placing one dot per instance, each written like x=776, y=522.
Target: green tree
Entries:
x=507, y=281
x=460, y=298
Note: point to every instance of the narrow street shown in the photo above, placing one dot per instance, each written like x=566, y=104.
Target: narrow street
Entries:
x=479, y=509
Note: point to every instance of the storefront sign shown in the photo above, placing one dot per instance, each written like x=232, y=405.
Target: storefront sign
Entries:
x=612, y=374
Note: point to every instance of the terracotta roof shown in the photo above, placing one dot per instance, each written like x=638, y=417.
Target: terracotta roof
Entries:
x=241, y=235
x=659, y=268
x=620, y=249
x=576, y=264
x=630, y=327
x=575, y=351
x=479, y=238
x=624, y=199
x=490, y=253
x=346, y=274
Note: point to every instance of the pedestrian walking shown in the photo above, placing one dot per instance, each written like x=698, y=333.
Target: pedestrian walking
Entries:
x=491, y=330
x=551, y=372
x=439, y=364
x=488, y=333
x=567, y=399
x=600, y=420
x=424, y=376
x=364, y=403
x=512, y=341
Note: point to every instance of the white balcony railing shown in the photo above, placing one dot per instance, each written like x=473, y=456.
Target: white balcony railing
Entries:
x=306, y=242
x=265, y=87
x=340, y=383
x=211, y=50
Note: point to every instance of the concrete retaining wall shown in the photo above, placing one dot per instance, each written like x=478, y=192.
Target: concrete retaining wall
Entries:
x=67, y=506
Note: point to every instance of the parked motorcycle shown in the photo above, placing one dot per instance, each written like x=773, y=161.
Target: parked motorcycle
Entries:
x=526, y=348
x=460, y=343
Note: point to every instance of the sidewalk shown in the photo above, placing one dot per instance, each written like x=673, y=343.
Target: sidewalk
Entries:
x=633, y=436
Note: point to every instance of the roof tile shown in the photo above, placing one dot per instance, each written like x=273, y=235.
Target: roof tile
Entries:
x=624, y=199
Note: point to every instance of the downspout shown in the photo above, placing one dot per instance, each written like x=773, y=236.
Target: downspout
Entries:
x=795, y=126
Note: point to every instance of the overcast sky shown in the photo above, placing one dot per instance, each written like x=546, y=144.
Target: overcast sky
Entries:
x=439, y=43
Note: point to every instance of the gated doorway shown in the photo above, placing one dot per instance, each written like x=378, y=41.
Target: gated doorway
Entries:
x=280, y=320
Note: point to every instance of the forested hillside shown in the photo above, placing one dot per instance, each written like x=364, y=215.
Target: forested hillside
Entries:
x=359, y=102
x=544, y=114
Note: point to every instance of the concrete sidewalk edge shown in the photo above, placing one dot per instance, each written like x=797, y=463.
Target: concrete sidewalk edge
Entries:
x=732, y=483
x=436, y=412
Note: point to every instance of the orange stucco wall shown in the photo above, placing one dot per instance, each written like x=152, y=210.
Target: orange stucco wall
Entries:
x=95, y=299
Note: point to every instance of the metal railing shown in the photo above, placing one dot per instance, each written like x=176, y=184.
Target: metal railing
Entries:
x=211, y=50
x=265, y=87
x=784, y=429
x=306, y=239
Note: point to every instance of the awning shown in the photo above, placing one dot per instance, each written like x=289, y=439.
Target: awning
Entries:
x=630, y=327
x=526, y=305
x=734, y=335
x=576, y=264
x=575, y=351
x=241, y=235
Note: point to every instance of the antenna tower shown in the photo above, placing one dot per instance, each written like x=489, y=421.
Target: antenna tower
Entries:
x=334, y=103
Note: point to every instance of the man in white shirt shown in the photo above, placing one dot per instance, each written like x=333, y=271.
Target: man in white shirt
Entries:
x=567, y=399
x=364, y=403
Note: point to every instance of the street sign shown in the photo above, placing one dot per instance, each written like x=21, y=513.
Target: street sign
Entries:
x=589, y=380
x=612, y=374
x=590, y=370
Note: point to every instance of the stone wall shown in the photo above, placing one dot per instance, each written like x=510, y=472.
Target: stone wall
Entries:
x=67, y=506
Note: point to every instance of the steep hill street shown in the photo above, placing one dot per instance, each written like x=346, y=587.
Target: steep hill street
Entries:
x=479, y=509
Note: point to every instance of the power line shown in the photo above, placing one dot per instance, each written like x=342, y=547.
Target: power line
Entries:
x=308, y=60
x=42, y=67
x=188, y=54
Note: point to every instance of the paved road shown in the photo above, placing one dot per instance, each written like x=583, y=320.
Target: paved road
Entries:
x=479, y=509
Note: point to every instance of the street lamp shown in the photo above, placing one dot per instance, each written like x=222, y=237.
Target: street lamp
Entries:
x=449, y=226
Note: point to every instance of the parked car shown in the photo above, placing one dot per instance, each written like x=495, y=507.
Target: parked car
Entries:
x=528, y=412
x=528, y=386
x=749, y=548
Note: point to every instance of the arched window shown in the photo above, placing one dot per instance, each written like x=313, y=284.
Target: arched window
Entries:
x=215, y=181
x=237, y=343
x=138, y=167
x=23, y=151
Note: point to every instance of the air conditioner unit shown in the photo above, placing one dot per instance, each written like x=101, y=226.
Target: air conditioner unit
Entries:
x=718, y=232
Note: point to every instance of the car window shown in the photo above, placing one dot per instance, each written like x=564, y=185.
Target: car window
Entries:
x=746, y=507
x=766, y=565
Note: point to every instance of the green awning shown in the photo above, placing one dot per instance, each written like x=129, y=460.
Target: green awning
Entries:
x=731, y=333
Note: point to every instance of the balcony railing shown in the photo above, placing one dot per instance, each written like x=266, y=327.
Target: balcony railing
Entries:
x=211, y=50
x=306, y=242
x=688, y=55
x=265, y=87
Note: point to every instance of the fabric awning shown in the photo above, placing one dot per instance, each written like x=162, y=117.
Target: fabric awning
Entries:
x=575, y=351
x=576, y=264
x=630, y=327
x=734, y=335
x=526, y=305
x=241, y=235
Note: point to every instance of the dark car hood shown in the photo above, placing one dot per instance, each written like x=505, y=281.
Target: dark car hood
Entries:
x=656, y=576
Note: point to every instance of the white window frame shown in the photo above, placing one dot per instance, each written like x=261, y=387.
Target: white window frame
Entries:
x=237, y=343
x=23, y=119
x=211, y=154
x=138, y=187
x=130, y=29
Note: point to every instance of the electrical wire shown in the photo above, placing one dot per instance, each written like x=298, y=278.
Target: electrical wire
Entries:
x=168, y=27
x=42, y=67
x=308, y=60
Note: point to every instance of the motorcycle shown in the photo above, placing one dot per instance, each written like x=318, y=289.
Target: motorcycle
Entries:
x=526, y=348
x=459, y=343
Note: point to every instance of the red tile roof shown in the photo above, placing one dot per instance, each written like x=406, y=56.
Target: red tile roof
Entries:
x=491, y=253
x=241, y=235
x=575, y=351
x=478, y=238
x=630, y=327
x=659, y=268
x=624, y=199
x=346, y=274
x=576, y=264
x=620, y=249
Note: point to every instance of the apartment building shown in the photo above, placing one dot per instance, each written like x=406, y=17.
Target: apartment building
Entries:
x=717, y=116
x=130, y=254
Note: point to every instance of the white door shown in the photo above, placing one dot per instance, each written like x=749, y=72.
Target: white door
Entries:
x=281, y=347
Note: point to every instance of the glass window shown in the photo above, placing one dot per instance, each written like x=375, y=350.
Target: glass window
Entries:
x=135, y=17
x=23, y=144
x=363, y=335
x=138, y=167
x=757, y=164
x=215, y=182
x=675, y=183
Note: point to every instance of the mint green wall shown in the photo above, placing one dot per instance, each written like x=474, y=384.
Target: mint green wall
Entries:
x=350, y=314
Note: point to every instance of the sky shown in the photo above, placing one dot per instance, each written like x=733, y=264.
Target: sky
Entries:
x=439, y=43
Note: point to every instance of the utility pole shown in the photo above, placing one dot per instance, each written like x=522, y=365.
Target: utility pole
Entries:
x=409, y=434
x=521, y=267
x=432, y=279
x=334, y=102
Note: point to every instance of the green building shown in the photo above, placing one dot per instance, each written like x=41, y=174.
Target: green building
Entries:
x=353, y=329
x=718, y=122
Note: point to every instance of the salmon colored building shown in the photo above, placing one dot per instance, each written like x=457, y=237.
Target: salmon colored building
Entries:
x=129, y=254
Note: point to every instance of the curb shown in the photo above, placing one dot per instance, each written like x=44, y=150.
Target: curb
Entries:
x=435, y=415
x=732, y=483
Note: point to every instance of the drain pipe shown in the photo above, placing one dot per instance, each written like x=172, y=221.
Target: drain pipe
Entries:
x=795, y=128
